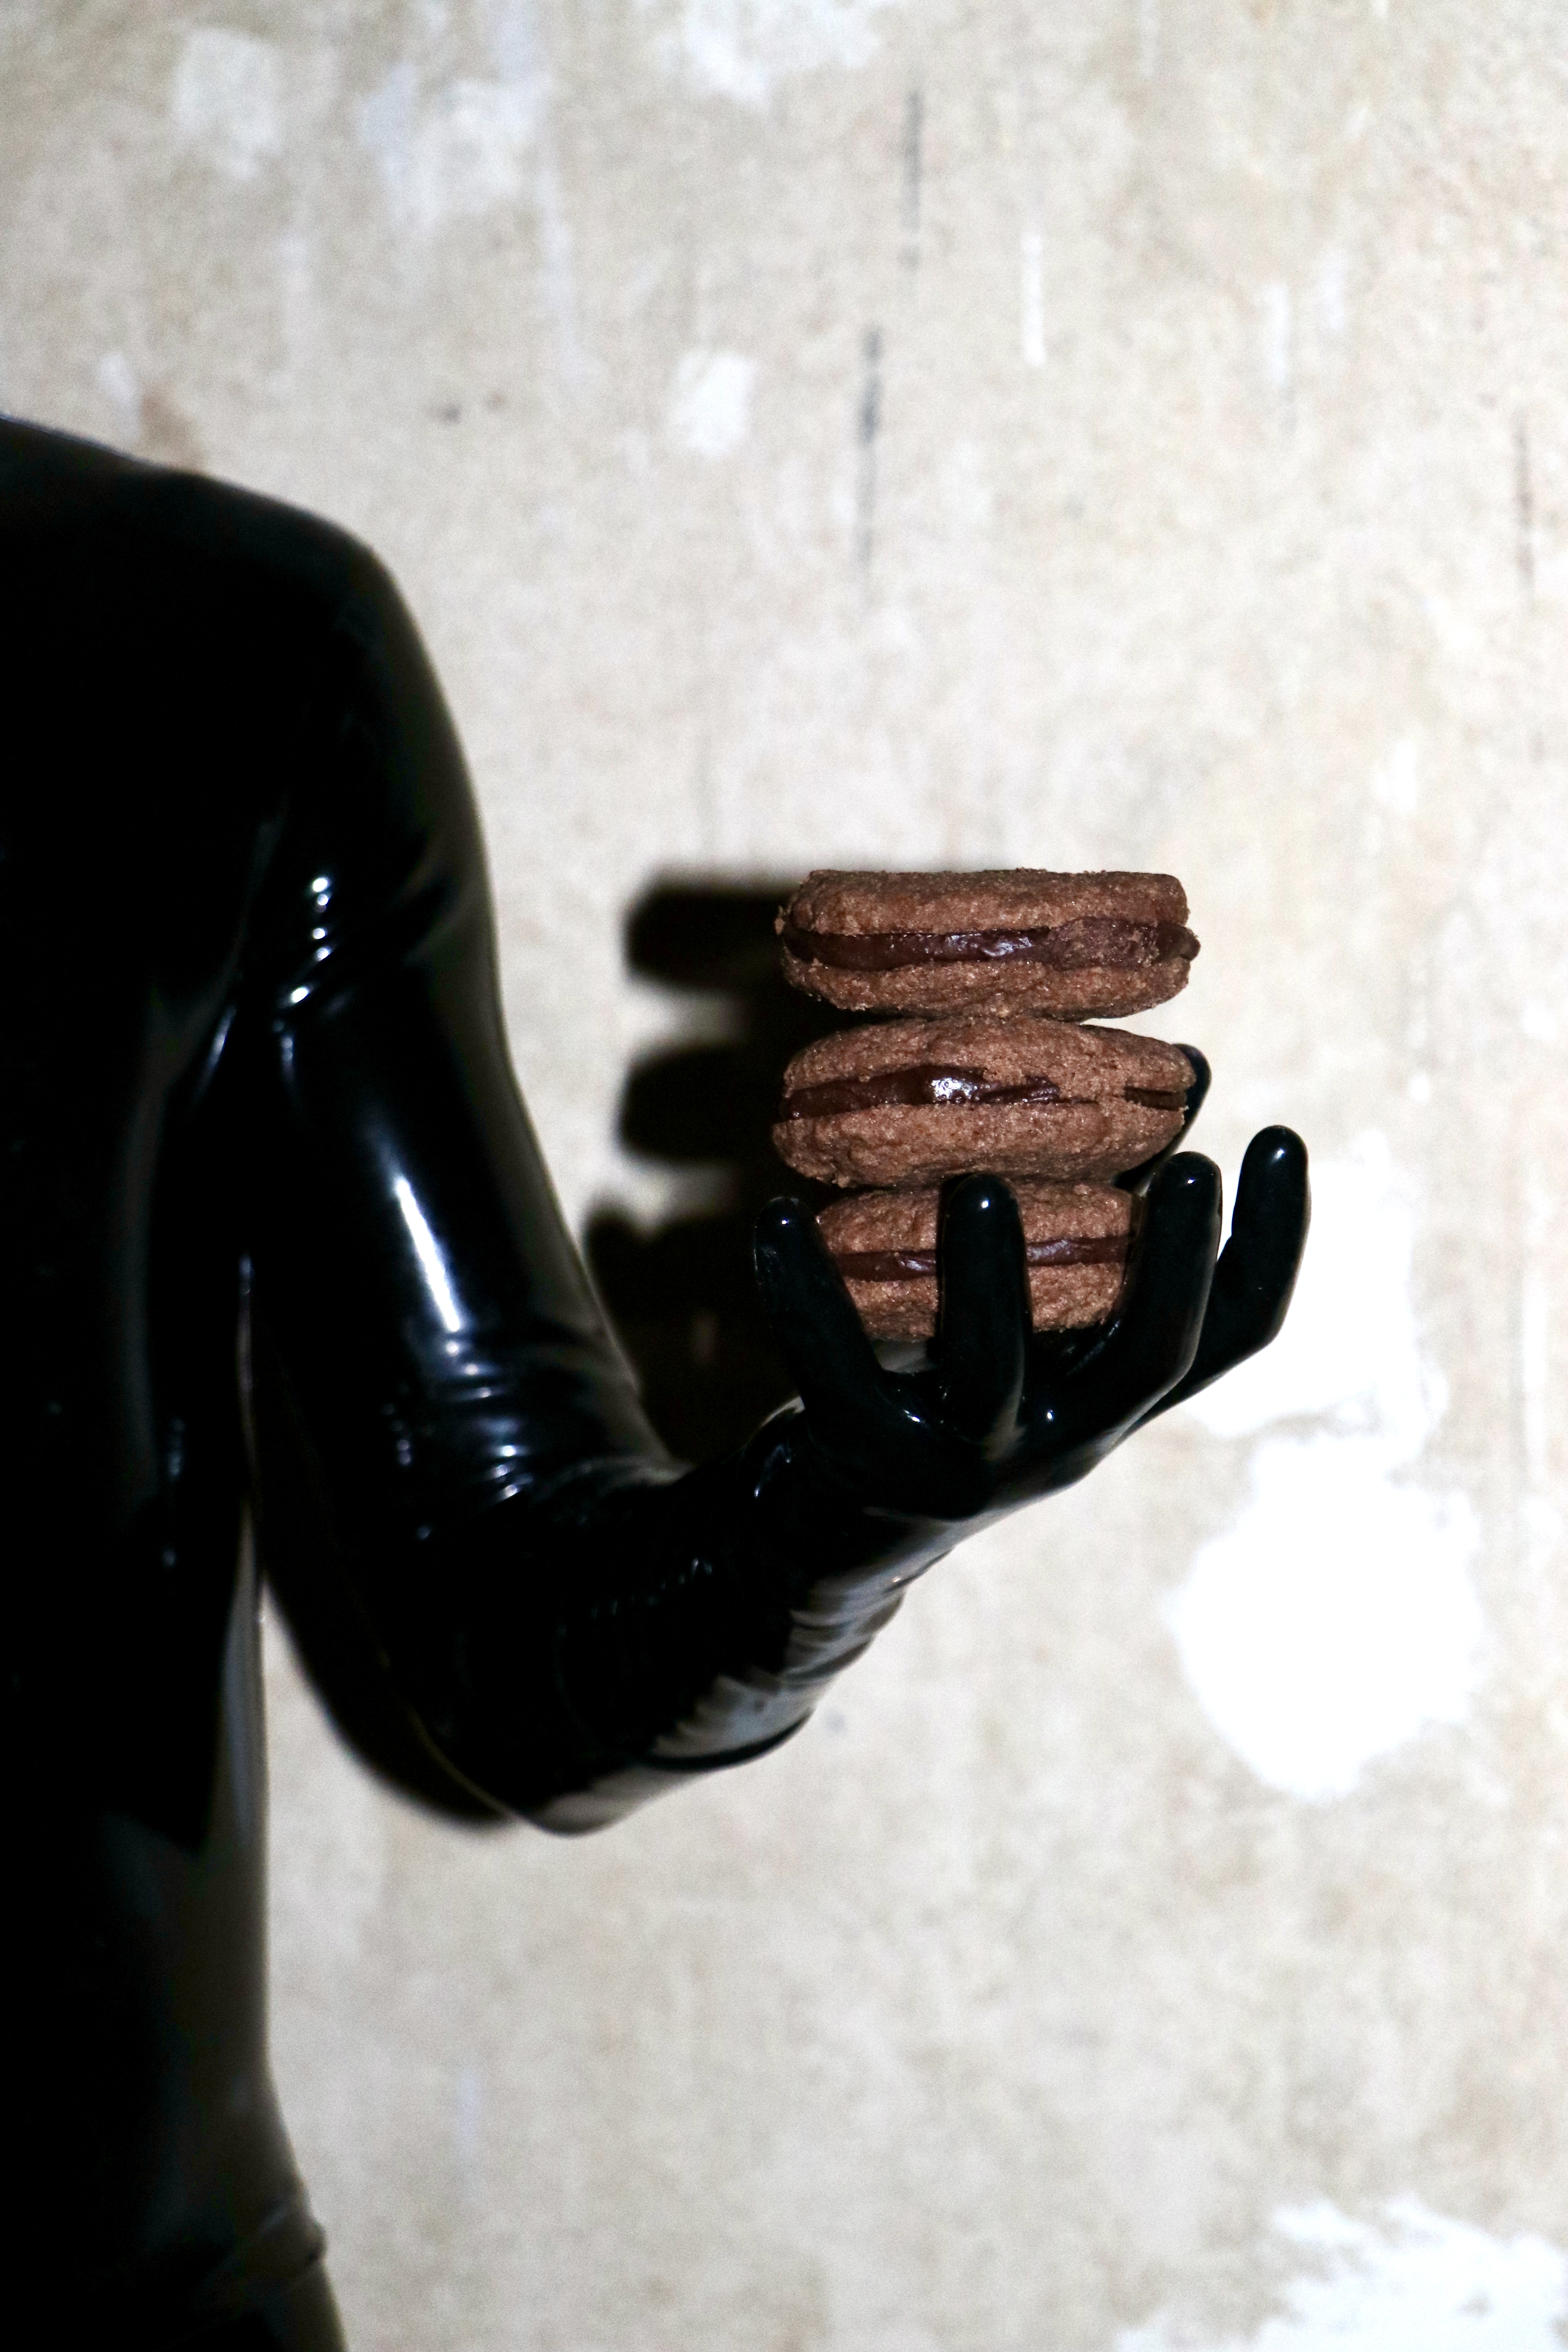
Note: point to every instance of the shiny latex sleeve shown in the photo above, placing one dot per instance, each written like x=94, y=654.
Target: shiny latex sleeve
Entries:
x=446, y=1440
x=453, y=1474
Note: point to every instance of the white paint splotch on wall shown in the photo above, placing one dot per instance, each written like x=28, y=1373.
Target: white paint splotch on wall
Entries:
x=710, y=403
x=1336, y=1619
x=121, y=386
x=1396, y=781
x=454, y=151
x=743, y=48
x=1279, y=336
x=1414, y=2281
x=226, y=103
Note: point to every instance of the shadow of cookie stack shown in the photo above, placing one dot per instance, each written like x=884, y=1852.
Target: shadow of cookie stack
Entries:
x=985, y=1056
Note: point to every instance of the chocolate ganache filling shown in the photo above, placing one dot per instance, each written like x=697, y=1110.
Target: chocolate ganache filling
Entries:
x=927, y=1084
x=907, y=1265
x=1107, y=941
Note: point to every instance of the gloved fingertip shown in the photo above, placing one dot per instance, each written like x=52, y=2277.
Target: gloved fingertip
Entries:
x=1276, y=1152
x=981, y=1195
x=1189, y=1179
x=780, y=1223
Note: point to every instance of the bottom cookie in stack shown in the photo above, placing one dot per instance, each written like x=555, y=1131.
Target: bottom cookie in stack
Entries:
x=1076, y=1241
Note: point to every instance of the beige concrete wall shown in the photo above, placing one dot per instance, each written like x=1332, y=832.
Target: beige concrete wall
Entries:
x=1160, y=1940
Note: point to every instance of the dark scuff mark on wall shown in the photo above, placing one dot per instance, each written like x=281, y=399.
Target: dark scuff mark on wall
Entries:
x=1148, y=39
x=167, y=434
x=1524, y=505
x=871, y=426
x=914, y=134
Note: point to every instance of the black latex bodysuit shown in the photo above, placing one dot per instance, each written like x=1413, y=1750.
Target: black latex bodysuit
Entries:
x=277, y=1237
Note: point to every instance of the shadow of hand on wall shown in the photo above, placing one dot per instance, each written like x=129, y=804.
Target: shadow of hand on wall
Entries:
x=683, y=1297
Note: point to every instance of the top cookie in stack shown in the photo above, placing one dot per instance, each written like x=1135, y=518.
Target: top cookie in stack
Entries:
x=1072, y=946
x=982, y=1071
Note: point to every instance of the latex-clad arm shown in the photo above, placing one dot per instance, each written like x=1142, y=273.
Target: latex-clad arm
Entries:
x=444, y=1433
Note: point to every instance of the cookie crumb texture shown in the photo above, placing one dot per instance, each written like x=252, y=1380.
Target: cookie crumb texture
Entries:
x=914, y=1102
x=1076, y=1239
x=1014, y=940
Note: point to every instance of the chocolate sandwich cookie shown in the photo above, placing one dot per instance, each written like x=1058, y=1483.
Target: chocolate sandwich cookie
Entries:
x=911, y=1102
x=1076, y=1239
x=1072, y=945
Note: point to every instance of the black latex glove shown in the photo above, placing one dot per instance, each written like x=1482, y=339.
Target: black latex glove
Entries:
x=994, y=1413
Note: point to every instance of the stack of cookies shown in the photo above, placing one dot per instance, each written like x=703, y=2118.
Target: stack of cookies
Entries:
x=989, y=1061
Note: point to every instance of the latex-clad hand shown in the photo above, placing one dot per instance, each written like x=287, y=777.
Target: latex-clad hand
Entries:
x=993, y=1413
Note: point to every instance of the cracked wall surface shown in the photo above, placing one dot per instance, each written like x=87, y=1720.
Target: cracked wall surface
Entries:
x=836, y=432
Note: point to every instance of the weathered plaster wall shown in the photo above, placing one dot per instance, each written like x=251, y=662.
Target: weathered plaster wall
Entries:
x=817, y=431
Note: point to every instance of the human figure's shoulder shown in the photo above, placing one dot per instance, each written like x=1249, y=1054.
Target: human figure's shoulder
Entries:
x=63, y=488
x=220, y=675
